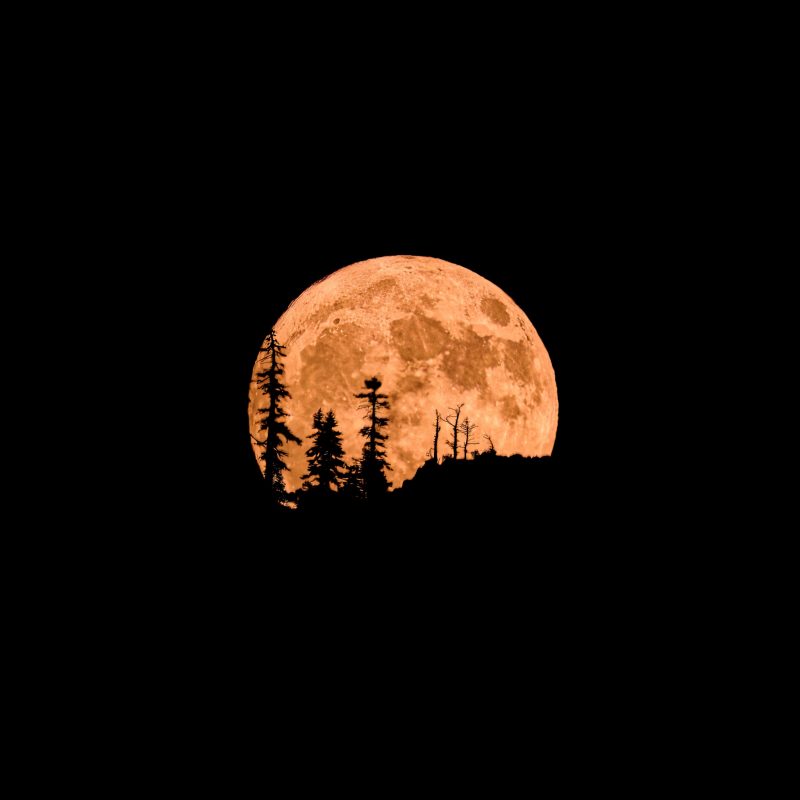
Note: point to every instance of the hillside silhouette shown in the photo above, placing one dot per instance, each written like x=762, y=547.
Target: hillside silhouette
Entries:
x=460, y=497
x=488, y=480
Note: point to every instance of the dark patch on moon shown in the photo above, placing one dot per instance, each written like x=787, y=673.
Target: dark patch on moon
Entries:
x=538, y=390
x=467, y=359
x=418, y=338
x=495, y=310
x=382, y=287
x=511, y=409
x=328, y=362
x=411, y=384
x=427, y=301
x=403, y=419
x=519, y=361
x=336, y=321
x=378, y=294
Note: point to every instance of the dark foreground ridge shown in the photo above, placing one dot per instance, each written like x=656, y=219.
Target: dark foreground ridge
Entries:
x=489, y=480
x=457, y=496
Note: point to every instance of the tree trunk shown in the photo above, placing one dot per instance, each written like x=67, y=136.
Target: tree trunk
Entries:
x=372, y=432
x=455, y=436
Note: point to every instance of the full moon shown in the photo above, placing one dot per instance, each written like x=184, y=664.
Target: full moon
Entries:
x=436, y=335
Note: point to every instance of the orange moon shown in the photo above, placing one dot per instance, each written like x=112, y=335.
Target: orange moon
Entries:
x=437, y=335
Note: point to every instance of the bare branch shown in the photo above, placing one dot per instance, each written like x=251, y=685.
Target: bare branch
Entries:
x=468, y=429
x=453, y=423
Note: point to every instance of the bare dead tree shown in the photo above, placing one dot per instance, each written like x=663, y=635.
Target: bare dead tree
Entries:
x=491, y=443
x=468, y=429
x=438, y=426
x=452, y=421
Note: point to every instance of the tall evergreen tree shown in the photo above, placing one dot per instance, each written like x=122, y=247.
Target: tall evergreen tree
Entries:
x=373, y=462
x=325, y=456
x=270, y=381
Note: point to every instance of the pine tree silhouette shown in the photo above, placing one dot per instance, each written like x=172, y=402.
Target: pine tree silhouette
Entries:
x=374, y=463
x=270, y=381
x=325, y=456
x=312, y=454
x=353, y=485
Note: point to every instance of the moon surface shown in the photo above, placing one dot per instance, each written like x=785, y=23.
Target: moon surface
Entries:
x=436, y=334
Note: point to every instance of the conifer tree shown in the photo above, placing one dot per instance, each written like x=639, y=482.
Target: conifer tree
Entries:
x=325, y=456
x=352, y=487
x=374, y=463
x=277, y=433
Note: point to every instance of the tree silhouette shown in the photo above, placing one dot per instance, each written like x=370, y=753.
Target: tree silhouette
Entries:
x=312, y=454
x=374, y=463
x=452, y=421
x=491, y=450
x=434, y=453
x=352, y=487
x=270, y=381
x=467, y=429
x=325, y=456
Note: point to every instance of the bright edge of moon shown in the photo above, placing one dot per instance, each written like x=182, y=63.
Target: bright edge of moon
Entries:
x=436, y=334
